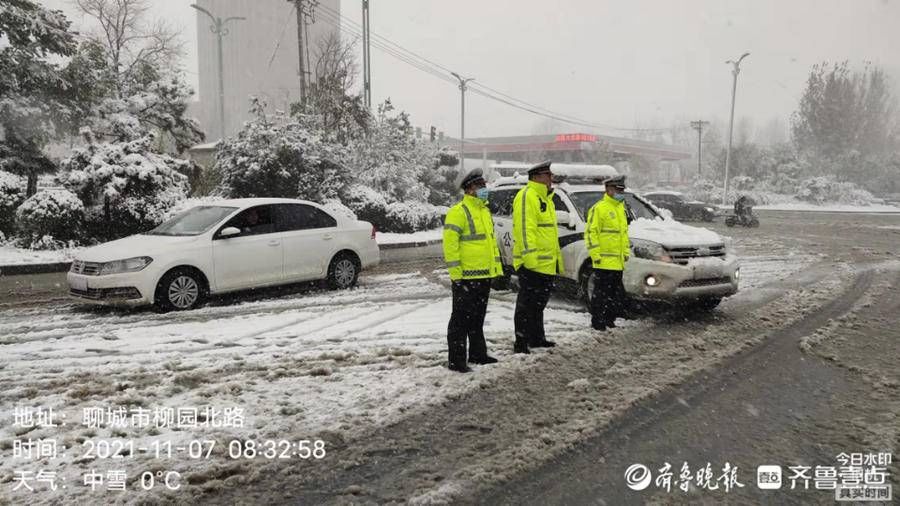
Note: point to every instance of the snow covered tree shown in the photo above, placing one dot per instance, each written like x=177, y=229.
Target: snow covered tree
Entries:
x=125, y=187
x=12, y=194
x=390, y=159
x=846, y=115
x=331, y=103
x=145, y=93
x=50, y=219
x=33, y=101
x=277, y=156
x=389, y=168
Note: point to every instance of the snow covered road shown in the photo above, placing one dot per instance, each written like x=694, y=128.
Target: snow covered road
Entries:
x=309, y=365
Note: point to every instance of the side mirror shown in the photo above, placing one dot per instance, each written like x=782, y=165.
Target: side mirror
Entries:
x=229, y=232
x=565, y=219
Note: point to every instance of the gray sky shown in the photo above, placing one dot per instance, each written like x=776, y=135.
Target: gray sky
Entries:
x=624, y=63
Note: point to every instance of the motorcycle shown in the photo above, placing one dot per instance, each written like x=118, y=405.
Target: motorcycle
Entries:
x=745, y=219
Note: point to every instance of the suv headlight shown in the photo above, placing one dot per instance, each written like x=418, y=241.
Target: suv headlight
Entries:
x=127, y=265
x=710, y=209
x=650, y=250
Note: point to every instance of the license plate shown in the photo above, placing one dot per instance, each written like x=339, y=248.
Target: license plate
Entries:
x=79, y=284
x=707, y=271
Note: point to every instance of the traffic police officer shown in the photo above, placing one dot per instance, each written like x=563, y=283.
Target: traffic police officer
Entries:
x=606, y=238
x=473, y=259
x=536, y=256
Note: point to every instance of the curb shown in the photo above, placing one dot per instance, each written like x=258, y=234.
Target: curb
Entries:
x=26, y=269
x=401, y=245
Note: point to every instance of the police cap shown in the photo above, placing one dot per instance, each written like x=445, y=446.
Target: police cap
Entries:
x=616, y=181
x=541, y=168
x=471, y=178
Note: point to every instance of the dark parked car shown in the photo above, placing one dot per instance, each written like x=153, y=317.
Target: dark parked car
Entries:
x=682, y=209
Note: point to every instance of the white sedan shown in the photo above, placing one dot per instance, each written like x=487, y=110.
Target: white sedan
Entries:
x=225, y=246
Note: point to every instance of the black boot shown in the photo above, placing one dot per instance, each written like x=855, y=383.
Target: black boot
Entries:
x=543, y=344
x=459, y=368
x=487, y=359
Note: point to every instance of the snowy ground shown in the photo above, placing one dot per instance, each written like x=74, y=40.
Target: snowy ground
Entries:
x=314, y=365
x=824, y=208
x=22, y=256
x=423, y=236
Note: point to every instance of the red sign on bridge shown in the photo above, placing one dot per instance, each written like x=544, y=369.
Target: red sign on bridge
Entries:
x=576, y=138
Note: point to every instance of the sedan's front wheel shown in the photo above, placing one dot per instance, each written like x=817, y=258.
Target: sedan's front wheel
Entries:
x=180, y=290
x=343, y=271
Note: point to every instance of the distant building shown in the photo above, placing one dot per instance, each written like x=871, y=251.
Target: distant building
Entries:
x=260, y=58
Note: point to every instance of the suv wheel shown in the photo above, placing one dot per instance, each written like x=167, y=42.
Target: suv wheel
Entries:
x=343, y=272
x=180, y=290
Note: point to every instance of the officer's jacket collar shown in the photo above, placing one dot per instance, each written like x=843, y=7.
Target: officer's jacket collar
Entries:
x=540, y=188
x=611, y=200
x=471, y=200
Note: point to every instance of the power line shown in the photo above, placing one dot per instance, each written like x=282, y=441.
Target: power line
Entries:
x=438, y=70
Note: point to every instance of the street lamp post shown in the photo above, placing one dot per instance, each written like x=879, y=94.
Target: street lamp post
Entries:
x=462, y=120
x=734, y=72
x=220, y=28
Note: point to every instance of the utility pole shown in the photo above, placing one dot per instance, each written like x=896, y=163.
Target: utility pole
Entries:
x=367, y=52
x=462, y=119
x=298, y=6
x=734, y=72
x=219, y=27
x=698, y=126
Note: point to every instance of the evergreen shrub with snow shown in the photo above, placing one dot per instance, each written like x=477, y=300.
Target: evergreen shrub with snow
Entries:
x=12, y=194
x=280, y=157
x=126, y=188
x=50, y=219
x=825, y=189
x=399, y=217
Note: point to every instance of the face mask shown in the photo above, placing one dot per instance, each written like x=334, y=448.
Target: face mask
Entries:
x=619, y=196
x=482, y=193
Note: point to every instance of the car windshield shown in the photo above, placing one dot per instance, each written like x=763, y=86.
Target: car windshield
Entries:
x=637, y=208
x=194, y=221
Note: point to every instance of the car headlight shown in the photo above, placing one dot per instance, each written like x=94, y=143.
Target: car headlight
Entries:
x=650, y=250
x=127, y=265
x=709, y=209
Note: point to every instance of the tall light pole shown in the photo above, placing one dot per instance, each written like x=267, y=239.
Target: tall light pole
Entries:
x=462, y=119
x=734, y=72
x=367, y=52
x=220, y=28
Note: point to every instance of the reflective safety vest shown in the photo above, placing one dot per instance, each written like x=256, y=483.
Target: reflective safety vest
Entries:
x=470, y=249
x=606, y=234
x=535, y=236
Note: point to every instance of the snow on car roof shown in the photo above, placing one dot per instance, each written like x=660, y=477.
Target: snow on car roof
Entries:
x=256, y=201
x=664, y=192
x=561, y=172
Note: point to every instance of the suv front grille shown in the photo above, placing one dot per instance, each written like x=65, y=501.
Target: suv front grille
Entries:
x=86, y=268
x=691, y=283
x=682, y=255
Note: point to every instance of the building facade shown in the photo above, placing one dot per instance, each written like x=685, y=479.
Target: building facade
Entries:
x=260, y=57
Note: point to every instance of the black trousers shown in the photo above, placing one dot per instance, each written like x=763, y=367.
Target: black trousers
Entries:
x=534, y=293
x=608, y=299
x=470, y=298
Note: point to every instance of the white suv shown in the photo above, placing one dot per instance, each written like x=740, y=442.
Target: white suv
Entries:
x=669, y=261
x=225, y=246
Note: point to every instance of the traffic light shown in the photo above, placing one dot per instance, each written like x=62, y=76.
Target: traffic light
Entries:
x=433, y=134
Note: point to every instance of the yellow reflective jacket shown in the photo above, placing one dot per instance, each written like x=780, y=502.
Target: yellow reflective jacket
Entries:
x=535, y=236
x=606, y=234
x=470, y=249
